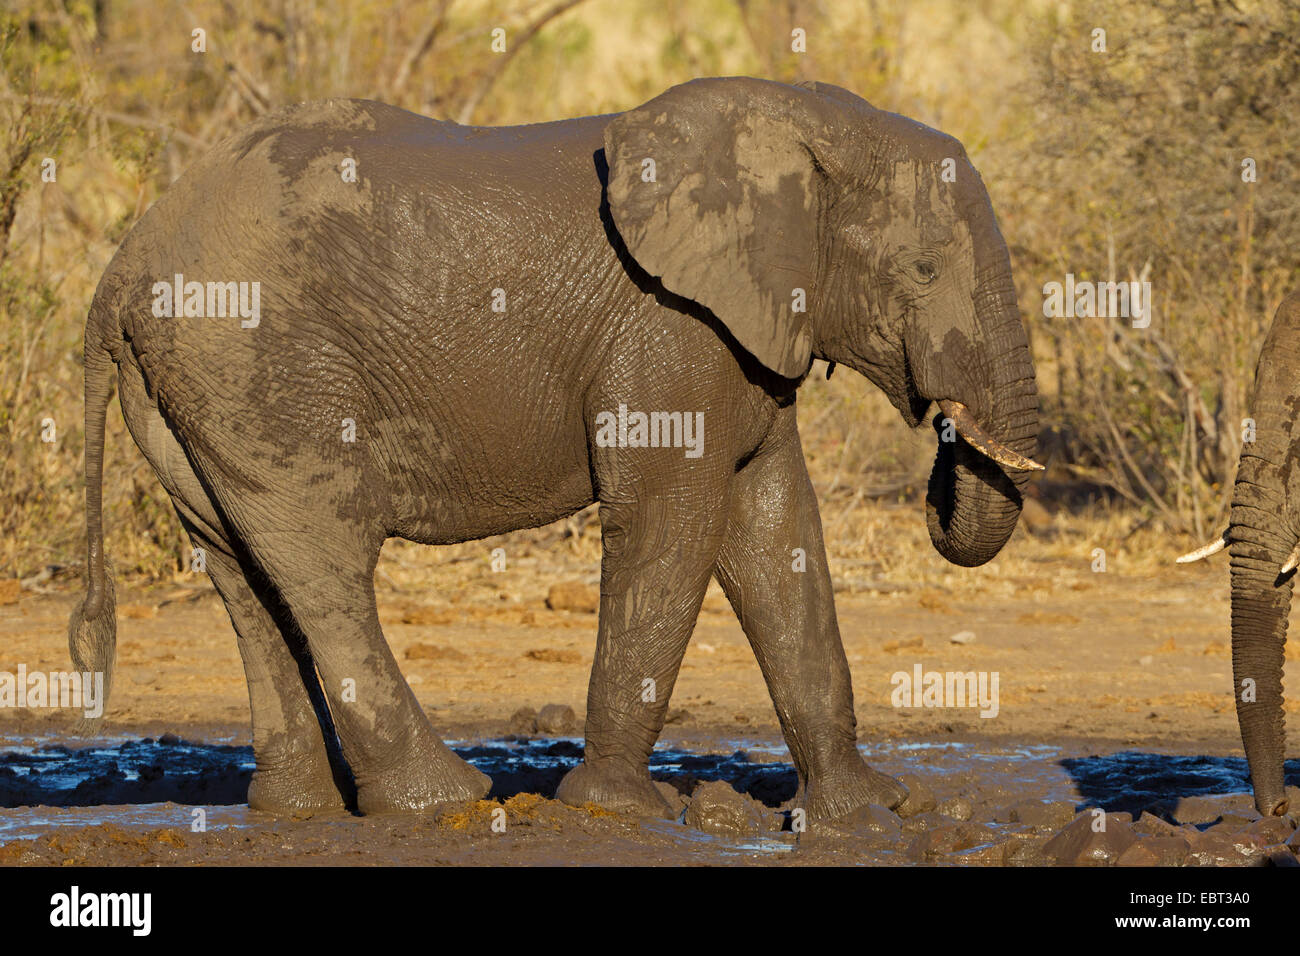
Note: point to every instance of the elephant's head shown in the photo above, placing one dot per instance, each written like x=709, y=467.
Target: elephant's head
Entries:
x=813, y=225
x=1262, y=538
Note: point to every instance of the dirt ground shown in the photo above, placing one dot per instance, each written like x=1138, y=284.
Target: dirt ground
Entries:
x=1130, y=670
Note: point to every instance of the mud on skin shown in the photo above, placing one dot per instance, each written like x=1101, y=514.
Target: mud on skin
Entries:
x=375, y=315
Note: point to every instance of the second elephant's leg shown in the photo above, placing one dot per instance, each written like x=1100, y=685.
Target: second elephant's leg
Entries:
x=658, y=553
x=788, y=615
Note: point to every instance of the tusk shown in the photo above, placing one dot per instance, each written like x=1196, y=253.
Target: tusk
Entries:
x=1214, y=547
x=1293, y=561
x=982, y=441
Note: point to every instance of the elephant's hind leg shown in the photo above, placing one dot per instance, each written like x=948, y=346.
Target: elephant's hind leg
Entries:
x=325, y=576
x=293, y=734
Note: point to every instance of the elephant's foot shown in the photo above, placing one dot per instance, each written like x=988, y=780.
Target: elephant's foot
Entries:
x=420, y=781
x=615, y=786
x=839, y=793
x=295, y=790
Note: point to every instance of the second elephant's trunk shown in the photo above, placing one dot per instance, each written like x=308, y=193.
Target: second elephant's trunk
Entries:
x=1259, y=622
x=1262, y=535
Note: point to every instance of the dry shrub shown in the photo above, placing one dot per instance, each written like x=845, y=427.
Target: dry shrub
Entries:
x=1132, y=157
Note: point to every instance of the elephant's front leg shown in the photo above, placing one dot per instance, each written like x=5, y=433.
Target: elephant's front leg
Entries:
x=659, y=549
x=773, y=569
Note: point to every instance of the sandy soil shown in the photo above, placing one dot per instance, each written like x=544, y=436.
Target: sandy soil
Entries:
x=1137, y=658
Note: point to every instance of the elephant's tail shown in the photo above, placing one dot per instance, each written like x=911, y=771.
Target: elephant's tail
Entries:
x=92, y=631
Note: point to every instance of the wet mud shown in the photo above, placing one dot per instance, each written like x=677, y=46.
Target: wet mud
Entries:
x=178, y=799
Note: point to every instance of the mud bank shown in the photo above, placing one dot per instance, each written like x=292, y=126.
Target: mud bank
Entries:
x=179, y=799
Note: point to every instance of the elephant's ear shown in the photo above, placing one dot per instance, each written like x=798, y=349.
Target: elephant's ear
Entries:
x=714, y=189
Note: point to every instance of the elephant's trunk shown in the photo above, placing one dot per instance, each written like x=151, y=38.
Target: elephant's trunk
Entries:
x=1259, y=618
x=973, y=504
x=1261, y=536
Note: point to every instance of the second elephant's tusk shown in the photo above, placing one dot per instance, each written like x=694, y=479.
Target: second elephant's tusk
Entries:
x=1214, y=547
x=1293, y=561
x=982, y=441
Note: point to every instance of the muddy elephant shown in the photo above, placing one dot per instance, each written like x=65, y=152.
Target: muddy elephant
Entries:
x=1262, y=536
x=441, y=333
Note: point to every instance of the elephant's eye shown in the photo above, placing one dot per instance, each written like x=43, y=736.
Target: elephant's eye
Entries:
x=925, y=271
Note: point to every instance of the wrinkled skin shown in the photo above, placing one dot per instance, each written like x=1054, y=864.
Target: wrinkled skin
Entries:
x=1264, y=528
x=669, y=293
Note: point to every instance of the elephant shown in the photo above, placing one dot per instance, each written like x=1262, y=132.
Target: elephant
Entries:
x=445, y=333
x=1261, y=539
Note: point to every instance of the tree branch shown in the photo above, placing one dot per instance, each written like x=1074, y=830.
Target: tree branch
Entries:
x=503, y=60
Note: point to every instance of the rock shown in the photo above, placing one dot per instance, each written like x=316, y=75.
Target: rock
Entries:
x=10, y=591
x=1172, y=850
x=986, y=811
x=920, y=798
x=574, y=596
x=957, y=808
x=1234, y=820
x=962, y=637
x=1292, y=795
x=678, y=716
x=1081, y=845
x=716, y=807
x=950, y=838
x=1216, y=848
x=1281, y=856
x=1252, y=846
x=1027, y=850
x=433, y=652
x=988, y=854
x=523, y=721
x=925, y=821
x=872, y=821
x=425, y=616
x=1151, y=825
x=557, y=719
x=1155, y=851
x=676, y=799
x=893, y=647
x=554, y=655
x=1269, y=830
x=1138, y=855
x=1208, y=809
x=1038, y=814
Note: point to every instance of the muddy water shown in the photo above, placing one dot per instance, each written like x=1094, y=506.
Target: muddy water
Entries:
x=141, y=786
